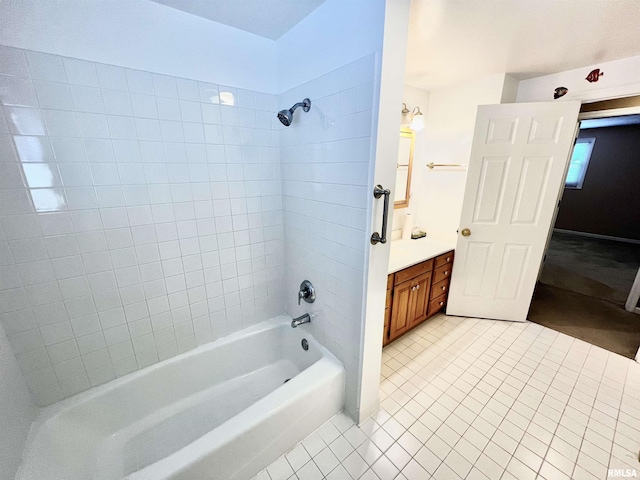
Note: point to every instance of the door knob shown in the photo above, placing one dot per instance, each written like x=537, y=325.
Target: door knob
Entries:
x=465, y=232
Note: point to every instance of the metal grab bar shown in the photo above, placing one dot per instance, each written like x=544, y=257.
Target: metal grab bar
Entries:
x=378, y=191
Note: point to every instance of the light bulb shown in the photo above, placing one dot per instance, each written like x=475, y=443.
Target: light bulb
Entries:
x=417, y=123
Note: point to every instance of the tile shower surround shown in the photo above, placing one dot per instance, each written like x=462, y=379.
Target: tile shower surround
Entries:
x=326, y=157
x=140, y=216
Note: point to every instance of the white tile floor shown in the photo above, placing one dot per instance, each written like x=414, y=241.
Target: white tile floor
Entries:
x=480, y=399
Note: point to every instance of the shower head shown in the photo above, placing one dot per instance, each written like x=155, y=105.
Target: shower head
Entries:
x=286, y=116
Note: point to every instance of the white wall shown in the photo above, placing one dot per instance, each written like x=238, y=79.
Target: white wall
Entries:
x=17, y=411
x=414, y=97
x=449, y=125
x=621, y=78
x=142, y=217
x=338, y=32
x=143, y=35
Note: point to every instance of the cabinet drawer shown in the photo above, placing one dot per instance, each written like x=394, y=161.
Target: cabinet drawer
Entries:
x=440, y=288
x=390, y=281
x=442, y=273
x=411, y=272
x=444, y=259
x=437, y=304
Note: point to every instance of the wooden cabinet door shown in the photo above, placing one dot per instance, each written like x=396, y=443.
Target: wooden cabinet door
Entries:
x=400, y=309
x=410, y=304
x=420, y=294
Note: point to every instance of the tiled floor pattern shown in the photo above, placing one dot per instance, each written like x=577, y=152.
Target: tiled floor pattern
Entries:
x=479, y=399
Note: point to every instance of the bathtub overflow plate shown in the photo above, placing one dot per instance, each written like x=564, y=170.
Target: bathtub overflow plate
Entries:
x=305, y=344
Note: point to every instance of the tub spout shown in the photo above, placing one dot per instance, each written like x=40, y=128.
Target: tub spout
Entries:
x=305, y=318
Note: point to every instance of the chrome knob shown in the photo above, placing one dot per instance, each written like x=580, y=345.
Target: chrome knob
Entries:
x=306, y=292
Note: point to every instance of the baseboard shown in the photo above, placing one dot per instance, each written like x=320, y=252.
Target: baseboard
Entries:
x=597, y=235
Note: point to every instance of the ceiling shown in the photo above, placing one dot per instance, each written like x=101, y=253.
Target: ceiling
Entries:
x=457, y=41
x=267, y=18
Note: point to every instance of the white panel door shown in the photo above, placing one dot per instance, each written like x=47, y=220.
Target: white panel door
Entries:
x=517, y=169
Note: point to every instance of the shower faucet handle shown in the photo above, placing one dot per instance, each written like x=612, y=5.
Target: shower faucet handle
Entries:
x=306, y=292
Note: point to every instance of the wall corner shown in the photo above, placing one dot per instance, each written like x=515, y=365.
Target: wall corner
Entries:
x=509, y=89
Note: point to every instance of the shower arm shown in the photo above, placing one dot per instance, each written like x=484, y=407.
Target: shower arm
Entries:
x=305, y=104
x=299, y=104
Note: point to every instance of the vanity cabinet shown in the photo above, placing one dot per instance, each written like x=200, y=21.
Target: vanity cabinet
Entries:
x=415, y=294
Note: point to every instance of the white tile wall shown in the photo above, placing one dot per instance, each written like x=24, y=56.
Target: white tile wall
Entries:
x=140, y=216
x=325, y=175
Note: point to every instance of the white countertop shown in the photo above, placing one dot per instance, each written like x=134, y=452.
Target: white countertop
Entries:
x=405, y=253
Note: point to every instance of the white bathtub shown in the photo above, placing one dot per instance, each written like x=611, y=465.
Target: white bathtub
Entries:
x=222, y=411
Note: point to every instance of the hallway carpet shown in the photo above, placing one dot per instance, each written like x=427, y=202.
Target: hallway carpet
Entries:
x=599, y=268
x=593, y=320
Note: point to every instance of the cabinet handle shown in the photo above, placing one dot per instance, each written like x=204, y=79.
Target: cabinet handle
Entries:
x=446, y=273
x=413, y=289
x=417, y=287
x=443, y=288
x=441, y=303
x=448, y=259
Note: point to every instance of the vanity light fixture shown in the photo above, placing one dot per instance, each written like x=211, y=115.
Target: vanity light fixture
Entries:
x=417, y=119
x=406, y=121
x=412, y=119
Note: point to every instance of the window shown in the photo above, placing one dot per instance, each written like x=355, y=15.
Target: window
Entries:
x=579, y=162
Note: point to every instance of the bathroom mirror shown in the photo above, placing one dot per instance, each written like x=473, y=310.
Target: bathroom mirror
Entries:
x=403, y=169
